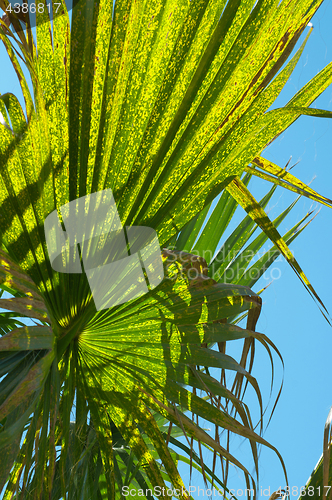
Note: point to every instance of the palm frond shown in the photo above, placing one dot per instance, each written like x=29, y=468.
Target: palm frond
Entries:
x=166, y=105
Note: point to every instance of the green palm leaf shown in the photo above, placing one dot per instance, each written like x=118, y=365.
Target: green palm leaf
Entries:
x=166, y=105
x=320, y=480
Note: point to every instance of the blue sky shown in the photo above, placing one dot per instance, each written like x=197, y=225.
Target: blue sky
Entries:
x=289, y=316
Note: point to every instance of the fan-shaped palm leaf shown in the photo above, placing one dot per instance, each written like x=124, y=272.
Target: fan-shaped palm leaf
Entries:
x=165, y=104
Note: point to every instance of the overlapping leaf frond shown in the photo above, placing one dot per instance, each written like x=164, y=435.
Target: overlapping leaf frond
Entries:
x=239, y=259
x=166, y=104
x=167, y=118
x=120, y=372
x=319, y=484
x=228, y=260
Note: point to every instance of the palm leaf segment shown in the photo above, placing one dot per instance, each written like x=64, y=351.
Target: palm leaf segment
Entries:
x=165, y=104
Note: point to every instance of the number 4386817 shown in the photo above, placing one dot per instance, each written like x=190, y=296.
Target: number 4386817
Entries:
x=40, y=7
x=310, y=491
